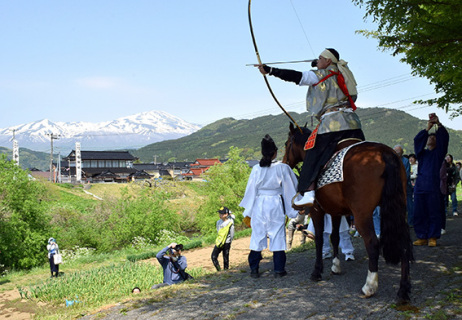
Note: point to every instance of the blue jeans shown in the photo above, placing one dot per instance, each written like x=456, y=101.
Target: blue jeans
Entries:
x=410, y=207
x=376, y=219
x=279, y=260
x=454, y=202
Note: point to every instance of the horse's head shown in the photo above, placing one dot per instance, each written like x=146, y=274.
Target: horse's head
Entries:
x=294, y=152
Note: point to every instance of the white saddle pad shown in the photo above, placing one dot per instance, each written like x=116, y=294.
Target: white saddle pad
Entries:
x=334, y=170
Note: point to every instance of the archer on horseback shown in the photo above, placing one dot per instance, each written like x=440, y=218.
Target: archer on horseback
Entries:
x=330, y=99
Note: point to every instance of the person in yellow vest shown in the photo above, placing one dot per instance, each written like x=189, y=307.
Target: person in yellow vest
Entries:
x=225, y=229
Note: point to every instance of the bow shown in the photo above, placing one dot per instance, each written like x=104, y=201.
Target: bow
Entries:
x=264, y=76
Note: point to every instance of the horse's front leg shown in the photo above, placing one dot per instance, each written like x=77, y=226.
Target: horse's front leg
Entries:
x=335, y=240
x=318, y=222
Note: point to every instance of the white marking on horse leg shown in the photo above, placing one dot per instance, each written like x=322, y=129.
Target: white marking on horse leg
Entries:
x=336, y=266
x=372, y=283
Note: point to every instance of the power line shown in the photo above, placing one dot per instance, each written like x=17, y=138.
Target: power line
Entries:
x=373, y=84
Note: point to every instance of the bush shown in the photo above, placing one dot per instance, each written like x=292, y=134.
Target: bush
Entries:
x=23, y=224
x=144, y=216
x=225, y=186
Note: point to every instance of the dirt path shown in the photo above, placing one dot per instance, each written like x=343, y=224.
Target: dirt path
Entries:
x=436, y=289
x=199, y=257
x=9, y=312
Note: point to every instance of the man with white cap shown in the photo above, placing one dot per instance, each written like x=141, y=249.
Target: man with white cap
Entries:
x=330, y=99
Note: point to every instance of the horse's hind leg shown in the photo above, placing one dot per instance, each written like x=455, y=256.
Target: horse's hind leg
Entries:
x=318, y=222
x=365, y=227
x=335, y=240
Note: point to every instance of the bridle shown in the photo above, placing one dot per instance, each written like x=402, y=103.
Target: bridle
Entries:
x=289, y=145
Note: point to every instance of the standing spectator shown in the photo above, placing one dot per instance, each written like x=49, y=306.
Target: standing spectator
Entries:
x=292, y=227
x=173, y=265
x=376, y=221
x=53, y=249
x=427, y=195
x=345, y=243
x=414, y=167
x=225, y=229
x=267, y=199
x=453, y=178
x=444, y=194
x=410, y=208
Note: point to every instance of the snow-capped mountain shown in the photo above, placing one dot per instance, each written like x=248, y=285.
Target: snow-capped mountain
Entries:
x=129, y=132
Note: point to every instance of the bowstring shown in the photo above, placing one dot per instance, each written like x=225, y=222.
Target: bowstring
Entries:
x=303, y=29
x=264, y=76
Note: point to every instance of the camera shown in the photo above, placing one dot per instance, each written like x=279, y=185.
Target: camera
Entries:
x=177, y=248
x=431, y=116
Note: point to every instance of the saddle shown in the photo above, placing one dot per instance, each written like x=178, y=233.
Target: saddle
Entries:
x=333, y=170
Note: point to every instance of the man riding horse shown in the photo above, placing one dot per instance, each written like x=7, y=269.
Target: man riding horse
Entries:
x=330, y=98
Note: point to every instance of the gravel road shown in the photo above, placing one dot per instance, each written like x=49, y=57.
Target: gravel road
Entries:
x=436, y=277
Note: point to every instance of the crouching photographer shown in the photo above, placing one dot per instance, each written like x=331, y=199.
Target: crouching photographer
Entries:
x=173, y=264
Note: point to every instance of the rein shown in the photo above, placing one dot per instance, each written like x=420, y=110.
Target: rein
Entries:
x=289, y=151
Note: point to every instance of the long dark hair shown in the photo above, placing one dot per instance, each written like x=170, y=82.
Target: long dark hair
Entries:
x=268, y=148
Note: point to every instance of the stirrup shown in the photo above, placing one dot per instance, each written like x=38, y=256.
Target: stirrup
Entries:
x=306, y=201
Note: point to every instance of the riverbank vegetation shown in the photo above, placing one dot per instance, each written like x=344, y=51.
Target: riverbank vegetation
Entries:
x=104, y=242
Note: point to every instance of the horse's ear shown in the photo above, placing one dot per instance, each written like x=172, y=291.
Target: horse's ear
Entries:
x=291, y=127
x=306, y=123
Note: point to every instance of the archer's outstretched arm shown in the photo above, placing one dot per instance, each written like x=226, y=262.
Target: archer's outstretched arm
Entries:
x=284, y=74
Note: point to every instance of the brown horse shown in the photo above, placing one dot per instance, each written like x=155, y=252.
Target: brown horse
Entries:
x=373, y=175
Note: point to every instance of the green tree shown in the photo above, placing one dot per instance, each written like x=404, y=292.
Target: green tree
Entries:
x=429, y=35
x=143, y=216
x=225, y=186
x=23, y=224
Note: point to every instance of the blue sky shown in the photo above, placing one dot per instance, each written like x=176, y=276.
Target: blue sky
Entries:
x=100, y=60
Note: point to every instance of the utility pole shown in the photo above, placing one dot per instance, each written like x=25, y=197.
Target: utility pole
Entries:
x=15, y=148
x=59, y=167
x=52, y=137
x=78, y=163
x=155, y=159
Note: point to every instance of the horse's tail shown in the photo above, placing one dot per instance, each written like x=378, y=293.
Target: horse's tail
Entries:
x=395, y=239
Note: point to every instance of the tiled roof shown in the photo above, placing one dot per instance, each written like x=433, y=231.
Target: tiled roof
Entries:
x=102, y=155
x=141, y=173
x=96, y=171
x=252, y=163
x=179, y=164
x=205, y=162
x=195, y=171
x=147, y=166
x=107, y=173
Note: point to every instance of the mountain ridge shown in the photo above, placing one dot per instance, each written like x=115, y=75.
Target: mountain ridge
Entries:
x=144, y=127
x=383, y=125
x=388, y=126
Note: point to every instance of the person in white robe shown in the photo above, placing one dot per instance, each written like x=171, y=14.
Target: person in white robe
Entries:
x=345, y=244
x=267, y=201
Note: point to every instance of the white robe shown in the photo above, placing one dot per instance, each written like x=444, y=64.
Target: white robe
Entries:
x=345, y=240
x=263, y=203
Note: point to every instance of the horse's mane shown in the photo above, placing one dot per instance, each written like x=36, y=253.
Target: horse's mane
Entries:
x=300, y=138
